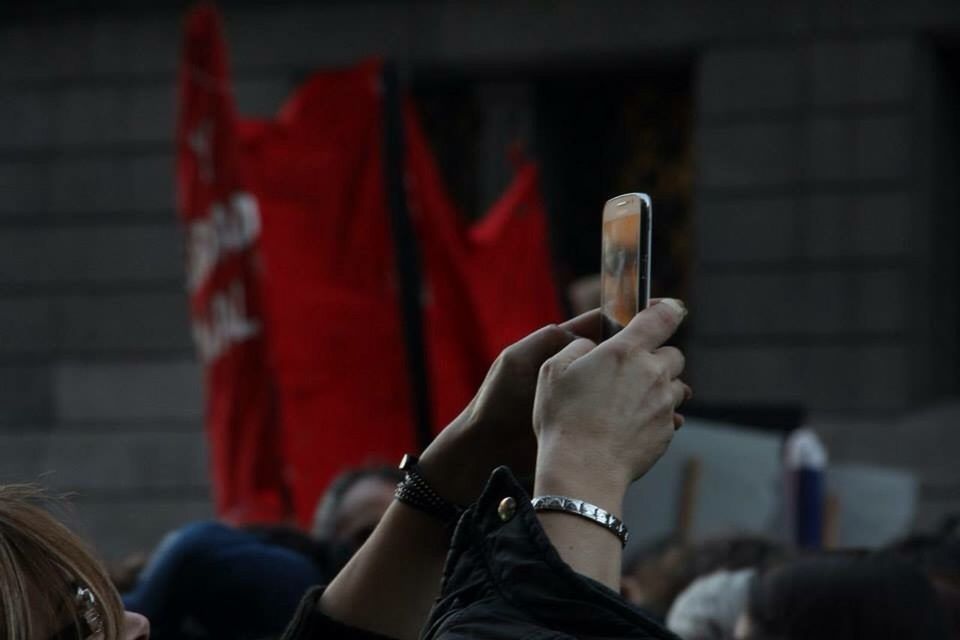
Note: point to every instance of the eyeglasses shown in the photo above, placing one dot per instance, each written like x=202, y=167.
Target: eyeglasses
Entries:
x=89, y=624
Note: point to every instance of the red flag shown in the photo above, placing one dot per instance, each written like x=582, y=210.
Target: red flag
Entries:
x=487, y=284
x=306, y=192
x=330, y=285
x=221, y=222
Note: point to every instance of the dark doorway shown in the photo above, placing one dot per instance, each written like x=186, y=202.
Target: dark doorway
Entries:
x=596, y=132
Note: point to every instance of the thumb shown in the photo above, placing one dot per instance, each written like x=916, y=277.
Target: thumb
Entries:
x=653, y=326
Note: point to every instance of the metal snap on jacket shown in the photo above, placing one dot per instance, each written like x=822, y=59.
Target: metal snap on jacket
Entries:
x=507, y=509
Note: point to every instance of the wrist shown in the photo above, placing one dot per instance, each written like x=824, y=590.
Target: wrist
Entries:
x=587, y=547
x=447, y=465
x=601, y=485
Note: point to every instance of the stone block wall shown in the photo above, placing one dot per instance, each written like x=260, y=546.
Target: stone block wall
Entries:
x=814, y=221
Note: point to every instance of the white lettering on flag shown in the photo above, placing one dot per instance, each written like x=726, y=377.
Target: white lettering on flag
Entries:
x=228, y=228
x=226, y=323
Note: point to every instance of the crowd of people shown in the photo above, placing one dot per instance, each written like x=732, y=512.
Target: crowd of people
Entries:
x=506, y=526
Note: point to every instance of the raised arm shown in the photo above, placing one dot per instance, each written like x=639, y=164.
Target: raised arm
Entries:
x=389, y=586
x=604, y=415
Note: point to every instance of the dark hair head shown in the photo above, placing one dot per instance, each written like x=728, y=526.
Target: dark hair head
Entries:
x=667, y=567
x=325, y=517
x=734, y=553
x=845, y=597
x=937, y=556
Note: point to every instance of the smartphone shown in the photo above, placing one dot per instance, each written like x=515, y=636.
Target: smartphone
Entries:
x=625, y=260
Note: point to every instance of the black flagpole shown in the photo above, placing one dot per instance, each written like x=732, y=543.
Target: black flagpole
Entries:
x=405, y=250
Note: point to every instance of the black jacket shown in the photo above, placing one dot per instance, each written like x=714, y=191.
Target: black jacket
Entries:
x=505, y=580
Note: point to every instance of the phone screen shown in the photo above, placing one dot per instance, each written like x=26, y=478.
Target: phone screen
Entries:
x=625, y=268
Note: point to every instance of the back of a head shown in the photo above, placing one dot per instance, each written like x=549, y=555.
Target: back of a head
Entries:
x=656, y=575
x=735, y=552
x=710, y=607
x=845, y=597
x=939, y=557
x=339, y=519
x=49, y=580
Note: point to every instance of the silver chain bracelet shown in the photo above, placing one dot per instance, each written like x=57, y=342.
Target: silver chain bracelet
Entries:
x=585, y=510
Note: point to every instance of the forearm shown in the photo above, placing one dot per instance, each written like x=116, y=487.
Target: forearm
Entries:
x=390, y=584
x=589, y=548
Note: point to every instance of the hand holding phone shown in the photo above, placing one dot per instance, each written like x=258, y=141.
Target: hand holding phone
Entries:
x=625, y=260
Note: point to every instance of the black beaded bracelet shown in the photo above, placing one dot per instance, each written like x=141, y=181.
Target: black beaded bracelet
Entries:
x=416, y=492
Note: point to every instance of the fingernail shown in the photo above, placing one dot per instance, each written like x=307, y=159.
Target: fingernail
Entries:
x=676, y=305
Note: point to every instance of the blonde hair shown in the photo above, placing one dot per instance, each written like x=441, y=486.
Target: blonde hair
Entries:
x=42, y=564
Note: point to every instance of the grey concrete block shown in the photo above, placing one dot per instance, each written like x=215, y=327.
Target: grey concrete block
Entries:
x=28, y=324
x=748, y=80
x=888, y=15
x=872, y=378
x=117, y=460
x=817, y=303
x=318, y=36
x=829, y=302
x=150, y=113
x=140, y=253
x=504, y=31
x=152, y=184
x=726, y=375
x=23, y=185
x=22, y=457
x=65, y=461
x=95, y=324
x=862, y=72
x=135, y=45
x=97, y=46
x=883, y=301
x=758, y=230
x=845, y=302
x=126, y=323
x=116, y=114
x=88, y=184
x=821, y=378
x=832, y=149
x=846, y=226
x=67, y=51
x=18, y=46
x=25, y=119
x=88, y=115
x=111, y=184
x=748, y=155
x=26, y=394
x=884, y=149
x=128, y=391
x=874, y=148
x=119, y=526
x=740, y=304
x=496, y=32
